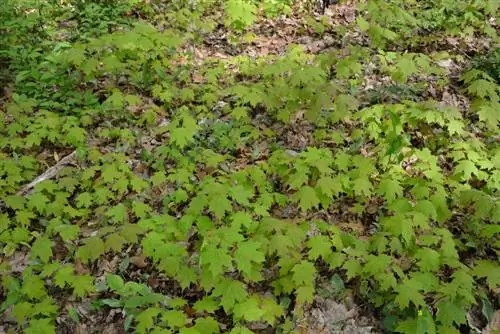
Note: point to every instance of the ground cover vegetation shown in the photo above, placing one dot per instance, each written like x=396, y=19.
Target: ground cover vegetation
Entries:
x=207, y=166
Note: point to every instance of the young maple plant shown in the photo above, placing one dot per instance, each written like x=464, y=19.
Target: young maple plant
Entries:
x=211, y=166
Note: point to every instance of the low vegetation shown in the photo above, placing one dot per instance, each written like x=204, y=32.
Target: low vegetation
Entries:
x=211, y=166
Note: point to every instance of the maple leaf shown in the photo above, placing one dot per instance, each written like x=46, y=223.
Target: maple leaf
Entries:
x=376, y=264
x=38, y=200
x=489, y=270
x=64, y=276
x=362, y=186
x=82, y=285
x=449, y=313
x=141, y=209
x=241, y=330
x=183, y=135
x=217, y=260
x=84, y=200
x=303, y=273
x=39, y=326
x=307, y=198
x=174, y=318
x=207, y=325
x=241, y=194
x=93, y=248
x=240, y=13
x=404, y=68
x=249, y=310
x=206, y=304
x=353, y=268
x=231, y=292
x=488, y=113
x=328, y=187
x=342, y=105
x=118, y=213
x=484, y=88
x=248, y=253
x=42, y=248
x=146, y=319
x=421, y=325
x=305, y=294
x=429, y=259
x=219, y=205
x=407, y=292
x=466, y=168
x=320, y=246
x=390, y=189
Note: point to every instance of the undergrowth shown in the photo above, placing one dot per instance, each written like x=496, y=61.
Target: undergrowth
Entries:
x=186, y=179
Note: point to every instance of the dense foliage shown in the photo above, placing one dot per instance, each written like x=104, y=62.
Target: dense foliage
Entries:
x=209, y=194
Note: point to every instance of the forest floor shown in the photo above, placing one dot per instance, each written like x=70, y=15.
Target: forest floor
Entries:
x=249, y=167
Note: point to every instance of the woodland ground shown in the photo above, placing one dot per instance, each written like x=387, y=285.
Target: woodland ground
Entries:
x=249, y=166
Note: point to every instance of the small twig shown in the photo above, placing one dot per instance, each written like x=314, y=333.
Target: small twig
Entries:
x=48, y=174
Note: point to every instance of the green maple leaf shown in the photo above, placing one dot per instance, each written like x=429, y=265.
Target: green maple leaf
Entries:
x=207, y=325
x=118, y=213
x=298, y=178
x=249, y=310
x=241, y=194
x=174, y=318
x=64, y=276
x=231, y=292
x=307, y=198
x=183, y=135
x=146, y=319
x=41, y=326
x=218, y=260
x=241, y=330
x=21, y=311
x=42, y=248
x=362, y=186
x=328, y=187
x=114, y=242
x=33, y=287
x=206, y=304
x=390, y=189
x=342, y=106
x=405, y=67
x=489, y=270
x=247, y=254
x=141, y=209
x=240, y=13
x=82, y=285
x=158, y=178
x=76, y=135
x=353, y=268
x=240, y=219
x=424, y=324
x=449, y=313
x=320, y=246
x=409, y=291
x=93, y=248
x=46, y=307
x=189, y=330
x=466, y=168
x=488, y=113
x=38, y=200
x=376, y=264
x=305, y=294
x=84, y=200
x=342, y=161
x=484, y=88
x=429, y=259
x=303, y=273
x=219, y=205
